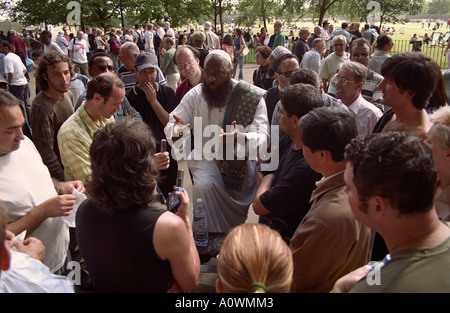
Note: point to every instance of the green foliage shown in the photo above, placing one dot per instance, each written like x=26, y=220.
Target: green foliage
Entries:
x=438, y=7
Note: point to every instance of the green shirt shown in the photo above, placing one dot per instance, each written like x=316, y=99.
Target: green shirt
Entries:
x=279, y=40
x=74, y=140
x=411, y=271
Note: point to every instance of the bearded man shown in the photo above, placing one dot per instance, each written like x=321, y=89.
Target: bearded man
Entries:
x=224, y=114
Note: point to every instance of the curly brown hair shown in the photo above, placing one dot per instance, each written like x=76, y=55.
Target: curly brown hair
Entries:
x=124, y=174
x=46, y=60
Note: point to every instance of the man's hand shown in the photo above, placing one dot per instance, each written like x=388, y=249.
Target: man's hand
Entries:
x=58, y=206
x=347, y=282
x=32, y=247
x=150, y=92
x=179, y=128
x=66, y=188
x=162, y=160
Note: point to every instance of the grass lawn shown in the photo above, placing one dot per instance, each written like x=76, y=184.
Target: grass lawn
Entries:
x=401, y=39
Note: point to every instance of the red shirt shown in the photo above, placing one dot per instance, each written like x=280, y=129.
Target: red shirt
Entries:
x=18, y=44
x=184, y=87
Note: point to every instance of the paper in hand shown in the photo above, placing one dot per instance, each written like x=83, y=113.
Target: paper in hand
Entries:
x=70, y=219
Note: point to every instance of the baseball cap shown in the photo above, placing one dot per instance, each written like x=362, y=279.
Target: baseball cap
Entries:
x=278, y=23
x=145, y=60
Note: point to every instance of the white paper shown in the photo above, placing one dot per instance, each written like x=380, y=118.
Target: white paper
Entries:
x=70, y=219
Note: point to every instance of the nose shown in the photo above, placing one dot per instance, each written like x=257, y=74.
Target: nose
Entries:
x=19, y=134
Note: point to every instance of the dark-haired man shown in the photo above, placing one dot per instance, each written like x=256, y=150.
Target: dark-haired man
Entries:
x=101, y=62
x=35, y=201
x=154, y=102
x=51, y=107
x=401, y=210
x=326, y=131
x=282, y=197
x=104, y=95
x=384, y=46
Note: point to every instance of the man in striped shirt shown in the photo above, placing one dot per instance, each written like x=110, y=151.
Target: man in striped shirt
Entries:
x=128, y=53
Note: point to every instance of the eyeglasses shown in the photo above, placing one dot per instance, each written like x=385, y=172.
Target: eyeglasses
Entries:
x=338, y=44
x=287, y=74
x=105, y=67
x=183, y=65
x=360, y=55
x=344, y=81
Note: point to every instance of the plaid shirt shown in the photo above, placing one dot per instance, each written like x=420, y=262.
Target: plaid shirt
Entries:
x=74, y=140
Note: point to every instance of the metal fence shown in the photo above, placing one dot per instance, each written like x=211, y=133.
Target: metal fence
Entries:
x=436, y=52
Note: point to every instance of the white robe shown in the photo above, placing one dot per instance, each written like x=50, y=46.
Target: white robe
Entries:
x=226, y=208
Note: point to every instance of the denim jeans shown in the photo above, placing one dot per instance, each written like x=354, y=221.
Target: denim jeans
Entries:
x=238, y=60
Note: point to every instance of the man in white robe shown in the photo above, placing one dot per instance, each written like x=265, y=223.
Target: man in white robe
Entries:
x=203, y=110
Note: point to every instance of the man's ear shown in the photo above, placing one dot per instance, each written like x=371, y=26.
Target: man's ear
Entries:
x=5, y=261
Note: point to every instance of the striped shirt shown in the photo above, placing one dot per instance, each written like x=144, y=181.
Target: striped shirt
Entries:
x=74, y=140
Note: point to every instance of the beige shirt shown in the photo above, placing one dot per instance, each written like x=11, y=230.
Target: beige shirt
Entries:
x=329, y=242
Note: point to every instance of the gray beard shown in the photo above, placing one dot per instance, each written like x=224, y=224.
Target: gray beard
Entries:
x=219, y=98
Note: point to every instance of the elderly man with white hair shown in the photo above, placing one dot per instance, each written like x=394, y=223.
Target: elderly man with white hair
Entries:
x=221, y=113
x=330, y=65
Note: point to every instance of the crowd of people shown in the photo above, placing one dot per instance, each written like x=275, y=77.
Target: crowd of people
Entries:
x=339, y=147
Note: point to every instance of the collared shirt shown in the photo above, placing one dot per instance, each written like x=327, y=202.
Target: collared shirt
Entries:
x=130, y=80
x=370, y=91
x=329, y=220
x=366, y=114
x=74, y=140
x=27, y=275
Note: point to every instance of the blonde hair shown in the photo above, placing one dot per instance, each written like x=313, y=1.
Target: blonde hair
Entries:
x=254, y=255
x=441, y=122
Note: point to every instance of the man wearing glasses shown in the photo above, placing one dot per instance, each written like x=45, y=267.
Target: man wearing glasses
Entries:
x=331, y=63
x=283, y=66
x=360, y=53
x=187, y=59
x=349, y=82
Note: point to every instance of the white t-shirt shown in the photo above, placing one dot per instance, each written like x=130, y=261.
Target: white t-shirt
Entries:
x=79, y=51
x=52, y=46
x=25, y=183
x=148, y=37
x=13, y=64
